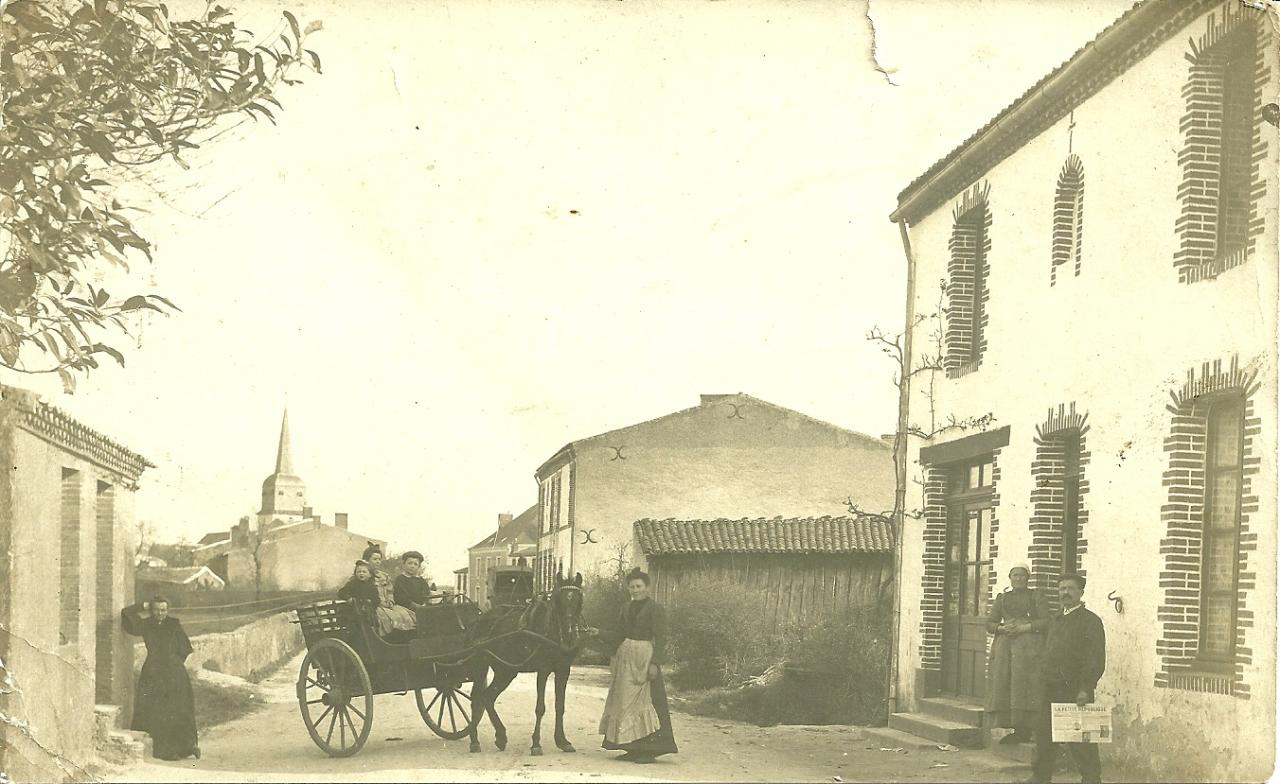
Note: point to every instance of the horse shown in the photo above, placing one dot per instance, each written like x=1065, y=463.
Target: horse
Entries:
x=540, y=637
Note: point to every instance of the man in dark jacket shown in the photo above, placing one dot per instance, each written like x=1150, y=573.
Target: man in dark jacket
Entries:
x=1074, y=657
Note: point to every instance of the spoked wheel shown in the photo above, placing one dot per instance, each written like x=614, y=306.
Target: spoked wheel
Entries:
x=335, y=698
x=448, y=711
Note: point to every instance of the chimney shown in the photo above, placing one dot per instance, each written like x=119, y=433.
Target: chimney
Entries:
x=240, y=533
x=504, y=518
x=340, y=520
x=306, y=512
x=707, y=400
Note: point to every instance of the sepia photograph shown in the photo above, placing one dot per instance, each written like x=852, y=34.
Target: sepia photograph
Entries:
x=639, y=390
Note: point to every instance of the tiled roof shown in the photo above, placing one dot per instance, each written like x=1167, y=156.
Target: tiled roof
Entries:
x=511, y=533
x=766, y=535
x=215, y=536
x=1130, y=37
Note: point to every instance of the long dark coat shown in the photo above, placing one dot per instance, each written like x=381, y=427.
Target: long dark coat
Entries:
x=164, y=706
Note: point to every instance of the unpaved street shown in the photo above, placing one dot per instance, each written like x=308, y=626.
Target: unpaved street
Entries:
x=272, y=745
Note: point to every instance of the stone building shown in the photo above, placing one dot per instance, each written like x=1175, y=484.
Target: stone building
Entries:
x=1129, y=361
x=285, y=546
x=730, y=456
x=66, y=570
x=514, y=542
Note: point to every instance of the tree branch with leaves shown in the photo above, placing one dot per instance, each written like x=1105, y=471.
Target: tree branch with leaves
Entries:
x=91, y=94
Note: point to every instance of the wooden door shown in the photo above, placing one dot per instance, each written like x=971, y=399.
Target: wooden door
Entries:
x=968, y=569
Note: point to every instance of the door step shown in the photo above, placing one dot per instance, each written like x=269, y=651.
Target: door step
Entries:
x=889, y=738
x=940, y=730
x=953, y=709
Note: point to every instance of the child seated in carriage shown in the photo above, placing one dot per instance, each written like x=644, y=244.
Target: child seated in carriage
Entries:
x=361, y=591
x=395, y=623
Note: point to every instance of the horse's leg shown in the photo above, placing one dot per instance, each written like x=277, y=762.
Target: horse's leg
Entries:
x=479, y=700
x=502, y=678
x=536, y=749
x=562, y=684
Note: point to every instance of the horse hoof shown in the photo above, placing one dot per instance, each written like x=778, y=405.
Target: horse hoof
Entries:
x=567, y=748
x=475, y=748
x=501, y=743
x=536, y=751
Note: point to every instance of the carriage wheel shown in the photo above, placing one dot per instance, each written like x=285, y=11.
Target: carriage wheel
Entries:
x=448, y=712
x=333, y=693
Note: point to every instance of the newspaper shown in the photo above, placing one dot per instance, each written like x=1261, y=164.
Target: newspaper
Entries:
x=1074, y=724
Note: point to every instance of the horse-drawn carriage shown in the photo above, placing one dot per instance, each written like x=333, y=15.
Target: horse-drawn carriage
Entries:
x=455, y=647
x=511, y=585
x=347, y=663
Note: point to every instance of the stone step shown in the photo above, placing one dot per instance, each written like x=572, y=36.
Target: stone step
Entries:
x=938, y=730
x=951, y=709
x=105, y=719
x=889, y=738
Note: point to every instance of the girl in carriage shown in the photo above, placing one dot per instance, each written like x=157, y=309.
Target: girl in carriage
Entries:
x=361, y=591
x=391, y=616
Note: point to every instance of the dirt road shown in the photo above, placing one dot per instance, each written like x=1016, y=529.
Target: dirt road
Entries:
x=272, y=746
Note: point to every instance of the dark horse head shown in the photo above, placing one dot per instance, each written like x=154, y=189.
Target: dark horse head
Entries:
x=566, y=609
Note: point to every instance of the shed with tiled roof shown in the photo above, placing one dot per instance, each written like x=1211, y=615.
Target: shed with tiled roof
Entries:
x=802, y=568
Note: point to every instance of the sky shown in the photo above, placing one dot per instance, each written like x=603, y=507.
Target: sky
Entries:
x=491, y=228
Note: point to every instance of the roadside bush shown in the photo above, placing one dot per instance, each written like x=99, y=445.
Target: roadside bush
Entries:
x=603, y=597
x=836, y=670
x=719, y=635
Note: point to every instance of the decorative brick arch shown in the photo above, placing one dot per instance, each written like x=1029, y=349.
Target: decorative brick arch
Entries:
x=1236, y=34
x=1068, y=216
x=1061, y=430
x=968, y=282
x=1183, y=520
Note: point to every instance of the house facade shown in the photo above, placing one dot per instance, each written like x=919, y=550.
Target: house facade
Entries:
x=515, y=542
x=731, y=456
x=1107, y=253
x=66, y=571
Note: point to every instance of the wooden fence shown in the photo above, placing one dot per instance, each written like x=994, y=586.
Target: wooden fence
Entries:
x=791, y=588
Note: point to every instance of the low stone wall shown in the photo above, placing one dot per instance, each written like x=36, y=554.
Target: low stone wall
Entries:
x=248, y=652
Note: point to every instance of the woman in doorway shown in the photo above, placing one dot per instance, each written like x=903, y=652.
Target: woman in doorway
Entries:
x=1017, y=619
x=164, y=707
x=636, y=717
x=391, y=616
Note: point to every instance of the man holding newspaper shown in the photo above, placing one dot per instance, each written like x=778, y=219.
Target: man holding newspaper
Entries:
x=1072, y=661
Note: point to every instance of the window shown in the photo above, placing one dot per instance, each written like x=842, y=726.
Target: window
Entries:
x=967, y=291
x=1070, y=501
x=555, y=502
x=1234, y=159
x=1220, y=546
x=542, y=506
x=1068, y=217
x=69, y=559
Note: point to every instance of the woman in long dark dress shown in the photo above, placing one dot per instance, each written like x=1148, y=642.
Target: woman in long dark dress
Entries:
x=1017, y=620
x=637, y=719
x=163, y=707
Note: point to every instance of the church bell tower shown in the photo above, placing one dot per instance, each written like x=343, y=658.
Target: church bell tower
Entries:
x=283, y=493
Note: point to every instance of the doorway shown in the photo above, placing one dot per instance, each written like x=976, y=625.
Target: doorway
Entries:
x=968, y=570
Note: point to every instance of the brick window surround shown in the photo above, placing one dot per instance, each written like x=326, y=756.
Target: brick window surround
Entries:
x=69, y=559
x=1057, y=496
x=1068, y=217
x=933, y=578
x=1183, y=516
x=968, y=287
x=1224, y=144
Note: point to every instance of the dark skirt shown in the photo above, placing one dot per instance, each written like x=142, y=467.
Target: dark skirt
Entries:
x=164, y=708
x=658, y=743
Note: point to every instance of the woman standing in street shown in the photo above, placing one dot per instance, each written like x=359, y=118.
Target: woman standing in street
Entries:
x=1018, y=618
x=636, y=717
x=164, y=706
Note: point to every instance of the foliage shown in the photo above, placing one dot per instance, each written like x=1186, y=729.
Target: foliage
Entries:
x=719, y=635
x=603, y=597
x=177, y=554
x=92, y=94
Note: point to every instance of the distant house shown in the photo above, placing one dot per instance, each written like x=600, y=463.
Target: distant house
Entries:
x=460, y=581
x=66, y=569
x=285, y=546
x=801, y=568
x=177, y=584
x=514, y=542
x=151, y=562
x=731, y=456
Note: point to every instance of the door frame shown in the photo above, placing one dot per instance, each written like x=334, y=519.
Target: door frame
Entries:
x=962, y=498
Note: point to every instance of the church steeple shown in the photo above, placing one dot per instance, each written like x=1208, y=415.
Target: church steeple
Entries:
x=284, y=453
x=284, y=493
